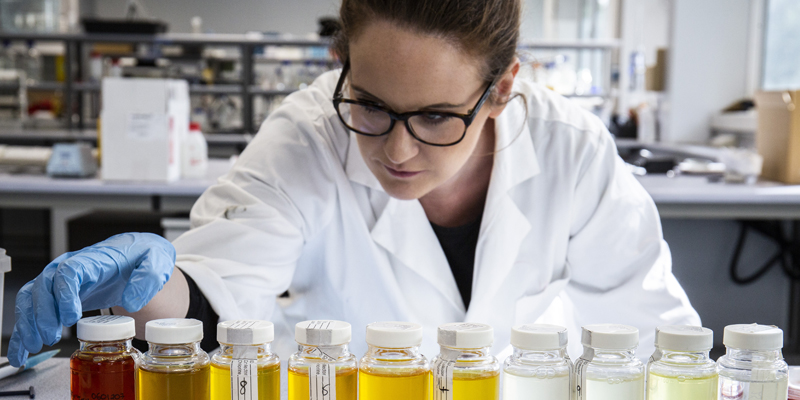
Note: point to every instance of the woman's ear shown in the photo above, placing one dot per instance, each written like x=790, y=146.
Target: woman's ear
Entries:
x=503, y=89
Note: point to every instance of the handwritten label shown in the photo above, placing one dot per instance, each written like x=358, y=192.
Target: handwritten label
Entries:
x=443, y=379
x=244, y=379
x=322, y=381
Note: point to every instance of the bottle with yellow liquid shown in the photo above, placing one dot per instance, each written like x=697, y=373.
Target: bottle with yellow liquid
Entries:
x=608, y=368
x=174, y=366
x=539, y=365
x=245, y=368
x=680, y=368
x=464, y=368
x=394, y=368
x=323, y=367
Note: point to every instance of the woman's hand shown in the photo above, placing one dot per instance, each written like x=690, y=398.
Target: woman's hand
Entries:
x=125, y=270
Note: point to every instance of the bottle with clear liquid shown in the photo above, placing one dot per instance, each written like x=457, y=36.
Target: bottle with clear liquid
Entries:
x=323, y=367
x=464, y=368
x=680, y=368
x=245, y=368
x=105, y=365
x=393, y=368
x=753, y=367
x=174, y=366
x=608, y=368
x=539, y=366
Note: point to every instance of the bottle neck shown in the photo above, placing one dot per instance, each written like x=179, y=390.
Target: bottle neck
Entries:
x=180, y=349
x=607, y=355
x=539, y=356
x=261, y=349
x=111, y=346
x=685, y=357
x=464, y=354
x=393, y=354
x=753, y=355
x=324, y=352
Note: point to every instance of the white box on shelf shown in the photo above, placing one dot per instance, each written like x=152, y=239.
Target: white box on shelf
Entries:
x=142, y=125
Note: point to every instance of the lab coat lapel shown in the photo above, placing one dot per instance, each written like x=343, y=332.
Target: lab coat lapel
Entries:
x=403, y=229
x=504, y=225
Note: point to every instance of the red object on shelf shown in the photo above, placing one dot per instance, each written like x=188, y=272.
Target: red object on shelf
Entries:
x=194, y=126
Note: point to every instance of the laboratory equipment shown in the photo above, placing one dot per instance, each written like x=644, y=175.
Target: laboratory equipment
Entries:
x=105, y=365
x=680, y=368
x=174, y=366
x=5, y=266
x=323, y=367
x=753, y=367
x=393, y=368
x=72, y=160
x=464, y=368
x=245, y=367
x=608, y=368
x=539, y=365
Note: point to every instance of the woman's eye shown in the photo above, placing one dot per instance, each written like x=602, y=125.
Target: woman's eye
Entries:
x=435, y=119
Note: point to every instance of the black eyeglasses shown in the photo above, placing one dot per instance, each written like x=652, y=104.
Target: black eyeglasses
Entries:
x=430, y=127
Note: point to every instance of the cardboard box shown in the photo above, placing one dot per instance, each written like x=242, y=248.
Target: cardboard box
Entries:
x=778, y=136
x=144, y=121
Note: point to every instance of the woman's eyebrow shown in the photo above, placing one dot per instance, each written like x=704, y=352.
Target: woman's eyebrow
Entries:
x=432, y=106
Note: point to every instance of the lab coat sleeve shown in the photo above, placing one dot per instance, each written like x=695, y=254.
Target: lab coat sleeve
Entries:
x=249, y=229
x=619, y=262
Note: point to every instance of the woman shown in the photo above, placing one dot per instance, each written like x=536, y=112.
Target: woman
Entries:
x=420, y=183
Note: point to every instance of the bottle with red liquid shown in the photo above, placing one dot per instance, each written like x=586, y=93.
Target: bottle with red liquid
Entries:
x=105, y=366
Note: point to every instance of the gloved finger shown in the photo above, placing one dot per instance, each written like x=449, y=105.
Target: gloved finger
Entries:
x=17, y=355
x=69, y=279
x=154, y=270
x=26, y=323
x=44, y=308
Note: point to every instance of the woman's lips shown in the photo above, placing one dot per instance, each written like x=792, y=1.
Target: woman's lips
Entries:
x=401, y=174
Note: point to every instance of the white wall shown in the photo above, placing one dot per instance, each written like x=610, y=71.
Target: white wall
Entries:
x=231, y=16
x=707, y=64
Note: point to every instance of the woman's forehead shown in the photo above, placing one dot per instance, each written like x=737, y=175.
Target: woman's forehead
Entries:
x=410, y=69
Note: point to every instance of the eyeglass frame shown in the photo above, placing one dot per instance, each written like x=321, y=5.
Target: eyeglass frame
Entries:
x=468, y=118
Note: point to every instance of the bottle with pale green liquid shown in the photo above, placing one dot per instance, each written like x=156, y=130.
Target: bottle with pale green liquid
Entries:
x=608, y=368
x=753, y=367
x=680, y=368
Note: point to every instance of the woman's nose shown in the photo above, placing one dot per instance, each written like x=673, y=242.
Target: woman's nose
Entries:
x=400, y=146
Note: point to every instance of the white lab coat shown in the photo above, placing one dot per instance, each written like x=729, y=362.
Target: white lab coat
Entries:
x=568, y=235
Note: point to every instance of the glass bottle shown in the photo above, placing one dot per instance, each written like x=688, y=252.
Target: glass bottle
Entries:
x=608, y=368
x=323, y=368
x=105, y=365
x=539, y=365
x=174, y=366
x=753, y=367
x=680, y=368
x=245, y=367
x=393, y=367
x=464, y=368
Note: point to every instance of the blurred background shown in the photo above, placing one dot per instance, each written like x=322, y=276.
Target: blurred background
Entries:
x=698, y=93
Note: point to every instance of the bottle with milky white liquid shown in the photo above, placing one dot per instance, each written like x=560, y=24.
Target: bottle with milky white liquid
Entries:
x=539, y=367
x=753, y=367
x=608, y=368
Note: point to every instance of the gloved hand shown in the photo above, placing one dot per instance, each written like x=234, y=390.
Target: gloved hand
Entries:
x=127, y=270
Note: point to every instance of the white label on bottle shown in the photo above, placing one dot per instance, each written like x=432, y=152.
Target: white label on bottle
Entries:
x=244, y=373
x=443, y=374
x=322, y=381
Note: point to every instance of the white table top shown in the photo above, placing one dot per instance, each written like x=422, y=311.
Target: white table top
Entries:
x=694, y=189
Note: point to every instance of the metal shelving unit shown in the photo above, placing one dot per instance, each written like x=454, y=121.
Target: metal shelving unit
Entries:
x=74, y=51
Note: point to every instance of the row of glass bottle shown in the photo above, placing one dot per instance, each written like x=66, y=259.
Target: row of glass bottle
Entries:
x=176, y=368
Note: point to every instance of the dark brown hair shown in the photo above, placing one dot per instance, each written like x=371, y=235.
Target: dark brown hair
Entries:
x=485, y=29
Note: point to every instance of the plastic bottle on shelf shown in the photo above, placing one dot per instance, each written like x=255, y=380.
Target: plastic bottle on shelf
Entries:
x=194, y=153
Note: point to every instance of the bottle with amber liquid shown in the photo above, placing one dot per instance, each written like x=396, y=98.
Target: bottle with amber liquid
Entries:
x=323, y=367
x=394, y=368
x=105, y=365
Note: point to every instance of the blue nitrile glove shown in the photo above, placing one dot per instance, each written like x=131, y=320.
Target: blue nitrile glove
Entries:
x=127, y=270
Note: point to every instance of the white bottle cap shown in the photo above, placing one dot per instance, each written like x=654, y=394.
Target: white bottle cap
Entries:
x=245, y=331
x=394, y=335
x=610, y=336
x=684, y=338
x=538, y=337
x=465, y=335
x=105, y=328
x=753, y=337
x=322, y=333
x=173, y=331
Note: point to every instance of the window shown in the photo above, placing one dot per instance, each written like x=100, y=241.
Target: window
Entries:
x=782, y=45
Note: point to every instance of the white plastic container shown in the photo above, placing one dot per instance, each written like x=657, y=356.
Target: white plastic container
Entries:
x=194, y=154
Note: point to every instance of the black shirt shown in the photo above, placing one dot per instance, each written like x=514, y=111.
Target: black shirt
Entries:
x=459, y=245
